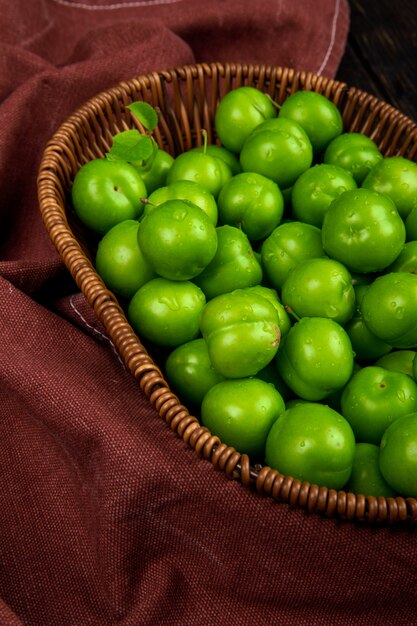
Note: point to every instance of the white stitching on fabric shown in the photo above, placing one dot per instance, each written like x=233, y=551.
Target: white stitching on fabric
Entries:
x=36, y=36
x=49, y=23
x=95, y=330
x=332, y=38
x=80, y=315
x=112, y=7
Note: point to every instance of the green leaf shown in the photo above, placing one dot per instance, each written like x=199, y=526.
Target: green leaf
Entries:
x=130, y=145
x=145, y=113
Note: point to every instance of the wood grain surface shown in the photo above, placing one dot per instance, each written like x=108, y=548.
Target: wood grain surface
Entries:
x=381, y=51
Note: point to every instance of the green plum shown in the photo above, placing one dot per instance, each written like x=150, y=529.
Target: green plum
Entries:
x=363, y=230
x=252, y=202
x=220, y=152
x=315, y=358
x=167, y=312
x=355, y=152
x=242, y=333
x=406, y=261
x=366, y=346
x=398, y=455
x=234, y=265
x=177, y=239
x=319, y=287
x=241, y=412
x=240, y=111
x=279, y=149
x=395, y=177
x=287, y=245
x=311, y=442
x=314, y=191
x=202, y=168
x=190, y=372
x=284, y=320
x=120, y=261
x=373, y=398
x=389, y=309
x=105, y=193
x=154, y=174
x=319, y=116
x=398, y=361
x=366, y=477
x=184, y=190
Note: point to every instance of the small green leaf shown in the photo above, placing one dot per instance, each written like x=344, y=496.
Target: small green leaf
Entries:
x=145, y=113
x=130, y=145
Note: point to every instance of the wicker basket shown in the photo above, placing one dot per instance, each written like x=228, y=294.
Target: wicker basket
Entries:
x=187, y=98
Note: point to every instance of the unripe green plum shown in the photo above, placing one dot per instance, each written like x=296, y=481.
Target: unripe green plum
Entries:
x=319, y=116
x=398, y=455
x=234, y=266
x=251, y=202
x=287, y=245
x=406, y=261
x=167, y=312
x=364, y=343
x=105, y=193
x=190, y=372
x=366, y=477
x=373, y=398
x=279, y=149
x=238, y=113
x=411, y=225
x=398, y=361
x=199, y=167
x=177, y=239
x=363, y=230
x=184, y=190
x=315, y=358
x=242, y=333
x=241, y=412
x=314, y=191
x=395, y=177
x=355, y=152
x=120, y=261
x=154, y=175
x=320, y=287
x=389, y=309
x=311, y=442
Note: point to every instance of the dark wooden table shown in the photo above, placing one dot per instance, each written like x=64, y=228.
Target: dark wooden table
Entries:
x=381, y=52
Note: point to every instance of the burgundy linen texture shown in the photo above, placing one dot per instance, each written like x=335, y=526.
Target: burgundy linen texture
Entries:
x=106, y=517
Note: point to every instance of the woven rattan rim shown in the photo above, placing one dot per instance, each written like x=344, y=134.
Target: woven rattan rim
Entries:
x=186, y=98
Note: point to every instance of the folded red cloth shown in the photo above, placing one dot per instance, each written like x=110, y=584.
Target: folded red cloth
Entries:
x=106, y=516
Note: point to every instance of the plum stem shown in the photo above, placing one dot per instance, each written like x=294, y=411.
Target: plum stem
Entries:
x=291, y=312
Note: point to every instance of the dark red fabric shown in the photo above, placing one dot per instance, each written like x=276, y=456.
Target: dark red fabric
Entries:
x=106, y=517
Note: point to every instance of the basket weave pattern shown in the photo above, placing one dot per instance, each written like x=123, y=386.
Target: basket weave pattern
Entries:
x=186, y=98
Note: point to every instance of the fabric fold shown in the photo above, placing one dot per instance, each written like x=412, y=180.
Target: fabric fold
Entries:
x=106, y=516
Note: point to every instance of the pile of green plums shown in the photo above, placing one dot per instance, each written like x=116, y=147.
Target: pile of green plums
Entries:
x=277, y=269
